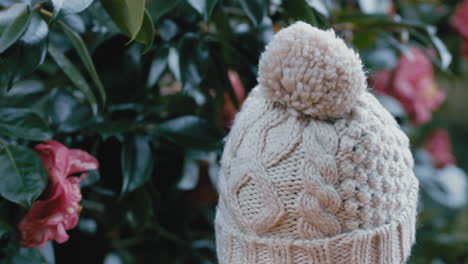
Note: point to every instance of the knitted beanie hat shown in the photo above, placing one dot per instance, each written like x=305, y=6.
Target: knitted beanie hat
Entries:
x=314, y=169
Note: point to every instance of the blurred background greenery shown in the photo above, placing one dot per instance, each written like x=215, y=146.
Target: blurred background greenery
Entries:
x=151, y=87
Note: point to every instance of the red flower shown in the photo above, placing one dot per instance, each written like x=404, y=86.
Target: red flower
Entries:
x=460, y=23
x=49, y=218
x=229, y=109
x=437, y=144
x=412, y=84
x=465, y=48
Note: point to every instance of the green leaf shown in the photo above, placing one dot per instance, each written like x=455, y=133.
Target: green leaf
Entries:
x=36, y=31
x=374, y=6
x=190, y=131
x=137, y=162
x=73, y=74
x=28, y=256
x=146, y=34
x=74, y=6
x=444, y=54
x=4, y=216
x=22, y=175
x=158, y=8
x=70, y=113
x=173, y=62
x=140, y=208
x=127, y=14
x=193, y=58
x=158, y=66
x=85, y=57
x=300, y=10
x=168, y=29
x=108, y=128
x=426, y=35
x=26, y=54
x=255, y=10
x=93, y=177
x=13, y=23
x=23, y=123
x=204, y=7
x=28, y=94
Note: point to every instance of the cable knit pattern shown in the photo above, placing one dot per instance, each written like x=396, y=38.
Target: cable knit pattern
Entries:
x=298, y=188
x=319, y=201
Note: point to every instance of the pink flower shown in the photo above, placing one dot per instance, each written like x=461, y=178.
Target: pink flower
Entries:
x=412, y=84
x=465, y=48
x=437, y=144
x=460, y=23
x=460, y=19
x=50, y=217
x=229, y=109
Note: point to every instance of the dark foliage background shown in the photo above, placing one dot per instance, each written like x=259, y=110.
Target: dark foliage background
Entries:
x=144, y=87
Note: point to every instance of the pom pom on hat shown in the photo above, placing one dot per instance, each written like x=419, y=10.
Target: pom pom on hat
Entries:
x=311, y=71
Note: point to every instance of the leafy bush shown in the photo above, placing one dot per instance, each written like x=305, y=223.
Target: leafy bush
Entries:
x=149, y=88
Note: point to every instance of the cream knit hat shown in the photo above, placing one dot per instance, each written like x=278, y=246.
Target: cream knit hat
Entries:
x=314, y=170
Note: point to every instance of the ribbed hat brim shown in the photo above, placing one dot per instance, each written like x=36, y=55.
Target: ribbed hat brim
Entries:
x=387, y=244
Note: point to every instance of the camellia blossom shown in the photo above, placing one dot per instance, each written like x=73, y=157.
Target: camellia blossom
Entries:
x=58, y=209
x=412, y=83
x=438, y=145
x=229, y=111
x=460, y=23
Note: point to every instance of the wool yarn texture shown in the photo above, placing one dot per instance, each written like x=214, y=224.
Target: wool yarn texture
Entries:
x=314, y=169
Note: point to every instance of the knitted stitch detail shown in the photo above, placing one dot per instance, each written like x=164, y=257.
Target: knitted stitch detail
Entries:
x=311, y=71
x=314, y=169
x=319, y=201
x=387, y=244
x=374, y=161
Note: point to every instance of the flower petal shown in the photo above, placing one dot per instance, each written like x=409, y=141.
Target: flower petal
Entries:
x=55, y=157
x=80, y=160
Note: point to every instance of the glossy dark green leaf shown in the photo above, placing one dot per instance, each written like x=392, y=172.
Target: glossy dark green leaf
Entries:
x=4, y=216
x=75, y=22
x=190, y=131
x=193, y=58
x=28, y=94
x=85, y=57
x=158, y=66
x=127, y=14
x=300, y=10
x=93, y=177
x=70, y=112
x=168, y=29
x=321, y=6
x=426, y=36
x=173, y=62
x=36, y=31
x=158, y=8
x=22, y=175
x=378, y=59
x=146, y=33
x=140, y=208
x=13, y=23
x=444, y=54
x=26, y=54
x=204, y=7
x=112, y=128
x=375, y=6
x=28, y=256
x=137, y=162
x=255, y=10
x=4, y=228
x=23, y=123
x=73, y=74
x=68, y=6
